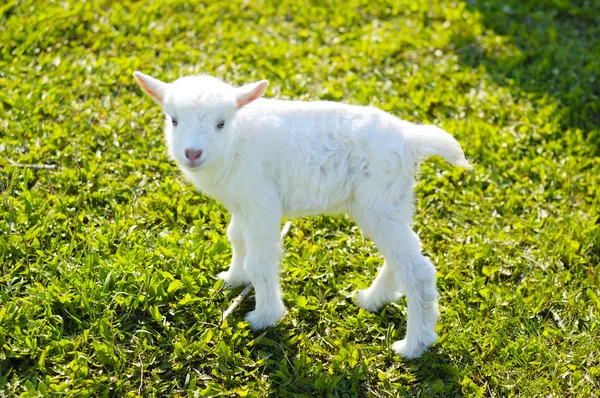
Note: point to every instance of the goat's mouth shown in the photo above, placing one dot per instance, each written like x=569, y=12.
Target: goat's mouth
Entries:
x=195, y=166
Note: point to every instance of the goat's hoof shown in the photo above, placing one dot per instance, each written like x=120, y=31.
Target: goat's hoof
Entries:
x=412, y=350
x=264, y=319
x=365, y=300
x=233, y=280
x=407, y=350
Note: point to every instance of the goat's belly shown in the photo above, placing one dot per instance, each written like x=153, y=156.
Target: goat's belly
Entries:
x=299, y=212
x=301, y=203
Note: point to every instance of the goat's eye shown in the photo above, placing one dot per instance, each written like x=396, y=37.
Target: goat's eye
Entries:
x=174, y=121
x=221, y=125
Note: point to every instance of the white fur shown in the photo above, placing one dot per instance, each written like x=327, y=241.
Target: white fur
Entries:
x=276, y=159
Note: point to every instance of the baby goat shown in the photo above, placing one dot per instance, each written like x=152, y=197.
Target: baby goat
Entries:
x=265, y=159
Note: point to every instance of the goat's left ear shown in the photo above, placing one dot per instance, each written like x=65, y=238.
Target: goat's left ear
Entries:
x=248, y=93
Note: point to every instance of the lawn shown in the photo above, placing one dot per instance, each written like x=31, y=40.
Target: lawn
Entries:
x=108, y=260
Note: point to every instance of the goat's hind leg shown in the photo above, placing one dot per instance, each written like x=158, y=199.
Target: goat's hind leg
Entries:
x=418, y=278
x=405, y=269
x=384, y=289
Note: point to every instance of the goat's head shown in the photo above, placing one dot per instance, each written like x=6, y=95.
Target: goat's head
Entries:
x=200, y=115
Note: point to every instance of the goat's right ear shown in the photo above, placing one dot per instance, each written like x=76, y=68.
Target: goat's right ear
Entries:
x=153, y=87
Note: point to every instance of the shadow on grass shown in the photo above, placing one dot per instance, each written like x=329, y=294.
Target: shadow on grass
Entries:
x=291, y=368
x=435, y=373
x=554, y=52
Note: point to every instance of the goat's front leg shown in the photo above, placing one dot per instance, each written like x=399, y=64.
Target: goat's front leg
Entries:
x=236, y=276
x=262, y=267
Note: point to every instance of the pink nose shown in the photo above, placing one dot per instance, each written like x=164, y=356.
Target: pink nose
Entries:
x=193, y=154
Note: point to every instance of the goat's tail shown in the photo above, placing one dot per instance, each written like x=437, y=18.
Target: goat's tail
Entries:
x=426, y=140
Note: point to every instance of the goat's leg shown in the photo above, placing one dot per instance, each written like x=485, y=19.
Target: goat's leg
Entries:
x=262, y=267
x=408, y=270
x=236, y=276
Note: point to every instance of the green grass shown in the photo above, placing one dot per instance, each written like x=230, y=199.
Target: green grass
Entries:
x=107, y=263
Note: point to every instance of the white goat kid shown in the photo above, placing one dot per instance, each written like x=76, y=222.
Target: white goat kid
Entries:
x=266, y=159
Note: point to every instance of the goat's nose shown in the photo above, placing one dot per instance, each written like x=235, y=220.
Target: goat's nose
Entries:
x=193, y=154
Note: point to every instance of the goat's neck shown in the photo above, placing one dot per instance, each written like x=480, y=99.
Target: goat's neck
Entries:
x=217, y=180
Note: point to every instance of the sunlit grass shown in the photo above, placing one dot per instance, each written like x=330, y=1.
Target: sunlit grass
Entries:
x=107, y=262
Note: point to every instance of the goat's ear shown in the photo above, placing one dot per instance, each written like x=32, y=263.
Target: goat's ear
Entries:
x=248, y=93
x=153, y=87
